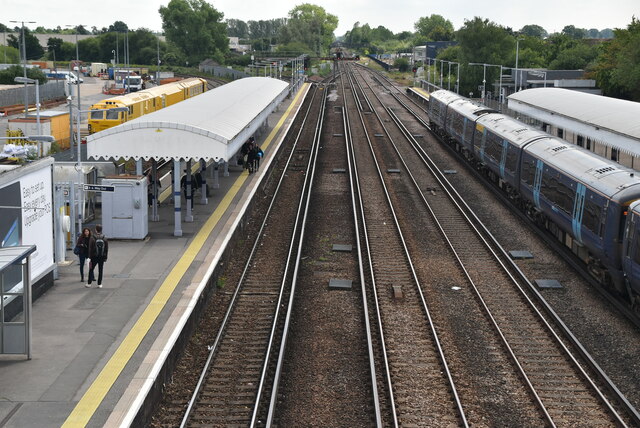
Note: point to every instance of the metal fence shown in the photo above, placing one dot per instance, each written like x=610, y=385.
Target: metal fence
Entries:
x=48, y=91
x=227, y=73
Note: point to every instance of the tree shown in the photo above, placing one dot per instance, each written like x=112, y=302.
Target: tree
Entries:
x=311, y=25
x=483, y=41
x=533, y=30
x=237, y=28
x=81, y=30
x=573, y=32
x=593, y=33
x=617, y=69
x=12, y=54
x=54, y=47
x=8, y=75
x=435, y=27
x=196, y=28
x=118, y=27
x=402, y=64
x=33, y=48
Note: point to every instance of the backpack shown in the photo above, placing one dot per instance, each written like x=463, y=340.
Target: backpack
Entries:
x=100, y=246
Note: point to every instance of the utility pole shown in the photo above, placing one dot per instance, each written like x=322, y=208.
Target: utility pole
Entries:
x=24, y=64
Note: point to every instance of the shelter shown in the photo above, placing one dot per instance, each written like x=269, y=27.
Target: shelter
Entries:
x=604, y=125
x=208, y=128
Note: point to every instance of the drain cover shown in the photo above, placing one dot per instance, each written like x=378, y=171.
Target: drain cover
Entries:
x=340, y=284
x=520, y=254
x=341, y=247
x=548, y=283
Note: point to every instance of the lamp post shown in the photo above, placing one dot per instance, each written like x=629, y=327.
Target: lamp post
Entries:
x=24, y=63
x=77, y=82
x=36, y=82
x=515, y=82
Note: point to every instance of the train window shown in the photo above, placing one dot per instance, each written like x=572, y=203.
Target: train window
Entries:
x=557, y=192
x=512, y=160
x=636, y=255
x=97, y=115
x=614, y=154
x=560, y=132
x=528, y=171
x=493, y=147
x=458, y=124
x=112, y=115
x=580, y=141
x=591, y=216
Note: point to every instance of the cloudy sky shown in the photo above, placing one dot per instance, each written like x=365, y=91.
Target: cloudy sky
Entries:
x=397, y=15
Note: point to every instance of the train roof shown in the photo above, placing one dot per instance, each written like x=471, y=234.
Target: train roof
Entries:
x=598, y=173
x=635, y=207
x=513, y=130
x=444, y=96
x=145, y=94
x=468, y=108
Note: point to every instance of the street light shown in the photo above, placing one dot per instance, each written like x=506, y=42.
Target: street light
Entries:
x=36, y=82
x=24, y=64
x=515, y=82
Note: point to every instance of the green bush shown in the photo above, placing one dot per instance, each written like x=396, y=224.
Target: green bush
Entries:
x=402, y=64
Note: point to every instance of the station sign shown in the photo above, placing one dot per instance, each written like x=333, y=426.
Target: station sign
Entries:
x=98, y=188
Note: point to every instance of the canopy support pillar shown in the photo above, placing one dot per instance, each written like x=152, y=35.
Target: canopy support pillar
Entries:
x=139, y=167
x=203, y=186
x=216, y=179
x=226, y=168
x=189, y=188
x=177, y=230
x=154, y=191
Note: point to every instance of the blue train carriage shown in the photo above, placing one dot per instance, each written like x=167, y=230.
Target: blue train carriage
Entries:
x=631, y=254
x=461, y=118
x=438, y=102
x=583, y=199
x=498, y=141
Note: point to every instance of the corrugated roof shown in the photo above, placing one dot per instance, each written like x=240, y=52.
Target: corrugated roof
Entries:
x=209, y=126
x=618, y=116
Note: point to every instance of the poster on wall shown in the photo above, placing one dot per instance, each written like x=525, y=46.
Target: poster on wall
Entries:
x=26, y=217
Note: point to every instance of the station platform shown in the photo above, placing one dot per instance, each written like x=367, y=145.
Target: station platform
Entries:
x=421, y=93
x=95, y=351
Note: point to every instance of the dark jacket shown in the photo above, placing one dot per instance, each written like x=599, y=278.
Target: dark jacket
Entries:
x=92, y=247
x=83, y=243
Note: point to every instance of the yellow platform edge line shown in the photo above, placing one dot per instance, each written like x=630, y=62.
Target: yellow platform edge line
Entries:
x=92, y=398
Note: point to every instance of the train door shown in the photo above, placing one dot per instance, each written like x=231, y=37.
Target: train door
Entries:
x=578, y=209
x=503, y=157
x=537, y=183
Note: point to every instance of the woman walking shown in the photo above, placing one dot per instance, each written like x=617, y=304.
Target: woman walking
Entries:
x=82, y=249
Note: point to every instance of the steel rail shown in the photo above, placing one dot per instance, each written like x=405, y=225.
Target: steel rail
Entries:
x=216, y=343
x=481, y=232
x=434, y=332
x=367, y=247
x=301, y=221
x=353, y=180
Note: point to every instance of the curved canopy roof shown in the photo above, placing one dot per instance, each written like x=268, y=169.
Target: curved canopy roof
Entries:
x=609, y=120
x=213, y=125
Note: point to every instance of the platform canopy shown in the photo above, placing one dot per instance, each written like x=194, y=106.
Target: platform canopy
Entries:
x=611, y=121
x=213, y=125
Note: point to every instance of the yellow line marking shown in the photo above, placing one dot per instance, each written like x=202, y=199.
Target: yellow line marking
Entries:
x=421, y=92
x=92, y=398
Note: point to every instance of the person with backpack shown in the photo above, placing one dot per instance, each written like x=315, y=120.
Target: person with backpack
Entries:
x=82, y=249
x=257, y=156
x=98, y=252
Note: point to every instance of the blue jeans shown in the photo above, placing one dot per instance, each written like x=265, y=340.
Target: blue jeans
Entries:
x=82, y=258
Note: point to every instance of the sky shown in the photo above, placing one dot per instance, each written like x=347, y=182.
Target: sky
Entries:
x=396, y=15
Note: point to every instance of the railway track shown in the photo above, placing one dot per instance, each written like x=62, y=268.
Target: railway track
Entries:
x=563, y=391
x=415, y=384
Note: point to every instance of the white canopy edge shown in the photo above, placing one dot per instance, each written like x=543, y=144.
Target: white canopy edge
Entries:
x=173, y=141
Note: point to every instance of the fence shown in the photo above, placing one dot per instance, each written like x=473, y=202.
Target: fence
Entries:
x=227, y=73
x=383, y=64
x=48, y=91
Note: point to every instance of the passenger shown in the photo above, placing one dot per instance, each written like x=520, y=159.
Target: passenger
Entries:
x=98, y=252
x=82, y=249
x=246, y=148
x=257, y=156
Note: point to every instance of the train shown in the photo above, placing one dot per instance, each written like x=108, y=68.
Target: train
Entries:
x=589, y=203
x=142, y=102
